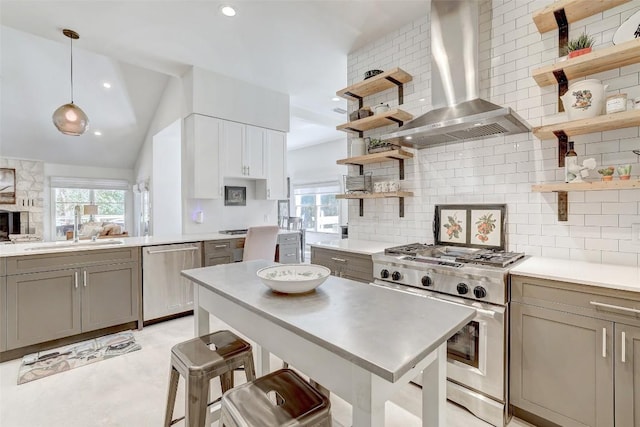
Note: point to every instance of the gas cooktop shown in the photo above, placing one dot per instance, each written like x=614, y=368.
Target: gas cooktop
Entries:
x=455, y=254
x=239, y=231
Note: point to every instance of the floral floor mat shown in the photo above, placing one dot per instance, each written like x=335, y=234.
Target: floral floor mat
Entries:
x=45, y=363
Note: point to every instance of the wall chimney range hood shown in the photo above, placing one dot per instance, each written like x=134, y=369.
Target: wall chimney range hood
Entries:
x=459, y=113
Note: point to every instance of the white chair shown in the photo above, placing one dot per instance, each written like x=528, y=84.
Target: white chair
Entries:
x=260, y=243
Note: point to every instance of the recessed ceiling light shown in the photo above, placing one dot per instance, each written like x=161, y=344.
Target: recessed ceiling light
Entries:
x=421, y=99
x=106, y=85
x=97, y=133
x=228, y=11
x=335, y=99
x=409, y=137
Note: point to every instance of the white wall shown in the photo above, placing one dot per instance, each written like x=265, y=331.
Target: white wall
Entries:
x=216, y=95
x=317, y=163
x=502, y=169
x=166, y=196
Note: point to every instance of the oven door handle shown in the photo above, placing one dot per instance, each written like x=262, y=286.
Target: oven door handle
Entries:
x=488, y=313
x=420, y=293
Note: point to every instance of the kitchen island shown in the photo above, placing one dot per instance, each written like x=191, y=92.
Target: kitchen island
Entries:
x=362, y=342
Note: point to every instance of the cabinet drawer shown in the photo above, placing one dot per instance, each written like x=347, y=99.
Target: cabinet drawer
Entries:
x=287, y=239
x=217, y=246
x=604, y=303
x=289, y=254
x=59, y=261
x=344, y=264
x=217, y=260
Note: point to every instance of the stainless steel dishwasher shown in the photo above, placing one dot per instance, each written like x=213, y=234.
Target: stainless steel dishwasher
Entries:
x=165, y=293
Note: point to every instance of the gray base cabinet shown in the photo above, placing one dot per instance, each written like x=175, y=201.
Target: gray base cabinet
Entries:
x=343, y=264
x=42, y=307
x=222, y=252
x=575, y=353
x=289, y=248
x=54, y=296
x=627, y=401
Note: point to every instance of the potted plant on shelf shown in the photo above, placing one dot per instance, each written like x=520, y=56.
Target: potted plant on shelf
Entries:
x=624, y=172
x=378, y=145
x=607, y=173
x=580, y=45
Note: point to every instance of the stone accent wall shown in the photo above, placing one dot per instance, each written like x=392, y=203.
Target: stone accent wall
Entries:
x=29, y=191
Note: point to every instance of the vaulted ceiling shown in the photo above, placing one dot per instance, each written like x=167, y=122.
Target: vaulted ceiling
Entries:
x=298, y=47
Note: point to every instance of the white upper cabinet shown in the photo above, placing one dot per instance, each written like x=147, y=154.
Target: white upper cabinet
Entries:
x=277, y=165
x=254, y=151
x=202, y=157
x=232, y=142
x=243, y=150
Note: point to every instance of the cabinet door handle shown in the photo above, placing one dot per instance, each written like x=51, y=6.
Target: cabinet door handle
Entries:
x=604, y=342
x=268, y=193
x=220, y=246
x=615, y=307
x=84, y=278
x=624, y=347
x=76, y=279
x=290, y=254
x=162, y=251
x=339, y=259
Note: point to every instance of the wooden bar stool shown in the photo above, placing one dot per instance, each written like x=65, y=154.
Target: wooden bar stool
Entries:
x=198, y=363
x=279, y=399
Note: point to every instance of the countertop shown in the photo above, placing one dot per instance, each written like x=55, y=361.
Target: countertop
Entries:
x=33, y=248
x=381, y=330
x=586, y=273
x=366, y=247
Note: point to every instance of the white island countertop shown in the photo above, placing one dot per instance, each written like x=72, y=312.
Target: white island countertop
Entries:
x=33, y=248
x=365, y=247
x=586, y=273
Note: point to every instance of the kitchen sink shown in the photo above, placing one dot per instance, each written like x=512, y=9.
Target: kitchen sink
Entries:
x=82, y=244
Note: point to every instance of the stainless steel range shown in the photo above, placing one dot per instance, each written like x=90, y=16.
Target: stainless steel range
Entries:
x=474, y=277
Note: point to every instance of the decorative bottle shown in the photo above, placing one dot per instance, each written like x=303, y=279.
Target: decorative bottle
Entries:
x=570, y=163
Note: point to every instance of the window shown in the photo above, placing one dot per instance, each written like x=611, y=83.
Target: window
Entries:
x=109, y=196
x=316, y=204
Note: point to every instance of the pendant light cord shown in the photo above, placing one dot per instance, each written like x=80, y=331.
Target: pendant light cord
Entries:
x=71, y=38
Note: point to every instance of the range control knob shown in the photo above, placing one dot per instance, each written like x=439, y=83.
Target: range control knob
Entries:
x=462, y=288
x=384, y=274
x=396, y=275
x=426, y=281
x=479, y=292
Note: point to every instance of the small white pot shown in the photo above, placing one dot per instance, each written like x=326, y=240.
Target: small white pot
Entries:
x=381, y=108
x=584, y=99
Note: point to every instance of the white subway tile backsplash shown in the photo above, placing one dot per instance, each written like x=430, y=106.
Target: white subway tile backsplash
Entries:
x=502, y=169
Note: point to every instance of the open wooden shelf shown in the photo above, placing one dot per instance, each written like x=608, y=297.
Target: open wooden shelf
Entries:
x=616, y=184
x=400, y=195
x=375, y=195
x=375, y=84
x=574, y=10
x=602, y=123
x=591, y=63
x=399, y=154
x=562, y=188
x=394, y=116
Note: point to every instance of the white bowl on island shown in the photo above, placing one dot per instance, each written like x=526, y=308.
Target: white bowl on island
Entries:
x=293, y=278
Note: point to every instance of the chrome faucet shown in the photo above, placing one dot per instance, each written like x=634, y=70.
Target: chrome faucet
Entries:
x=76, y=223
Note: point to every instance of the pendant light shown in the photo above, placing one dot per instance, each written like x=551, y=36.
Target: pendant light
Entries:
x=69, y=118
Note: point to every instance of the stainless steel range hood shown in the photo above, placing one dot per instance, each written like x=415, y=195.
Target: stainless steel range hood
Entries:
x=459, y=114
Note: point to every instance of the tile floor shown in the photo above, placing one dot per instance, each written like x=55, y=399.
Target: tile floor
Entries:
x=130, y=390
